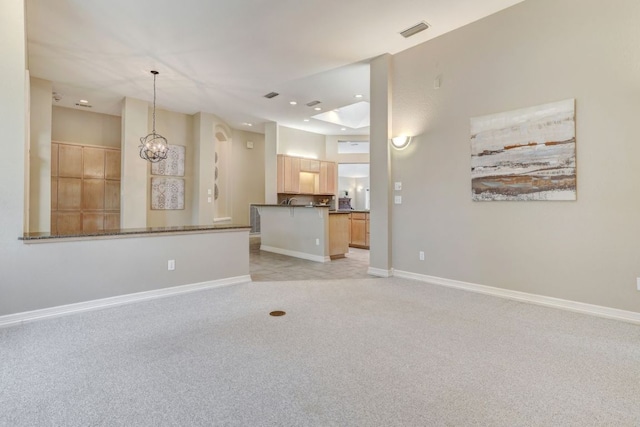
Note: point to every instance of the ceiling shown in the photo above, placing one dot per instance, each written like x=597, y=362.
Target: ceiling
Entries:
x=222, y=56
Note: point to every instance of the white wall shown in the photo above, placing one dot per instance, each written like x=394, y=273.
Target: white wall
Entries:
x=533, y=53
x=299, y=143
x=85, y=127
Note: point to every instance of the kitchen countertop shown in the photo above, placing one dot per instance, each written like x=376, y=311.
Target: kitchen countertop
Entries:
x=289, y=206
x=30, y=237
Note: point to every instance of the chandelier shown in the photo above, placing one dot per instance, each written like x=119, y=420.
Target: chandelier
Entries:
x=154, y=147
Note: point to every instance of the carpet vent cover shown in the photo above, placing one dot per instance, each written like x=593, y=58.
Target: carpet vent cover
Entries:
x=277, y=313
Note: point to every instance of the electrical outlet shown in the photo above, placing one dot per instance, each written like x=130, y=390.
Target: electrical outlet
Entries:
x=397, y=200
x=171, y=264
x=421, y=255
x=208, y=199
x=317, y=242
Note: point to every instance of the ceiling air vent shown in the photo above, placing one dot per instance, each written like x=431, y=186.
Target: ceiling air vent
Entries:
x=83, y=105
x=312, y=103
x=271, y=95
x=420, y=26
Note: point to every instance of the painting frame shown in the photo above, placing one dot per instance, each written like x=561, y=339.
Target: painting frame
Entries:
x=525, y=154
x=167, y=193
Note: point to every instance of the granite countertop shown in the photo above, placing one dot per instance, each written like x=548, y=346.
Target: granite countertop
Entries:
x=134, y=231
x=289, y=206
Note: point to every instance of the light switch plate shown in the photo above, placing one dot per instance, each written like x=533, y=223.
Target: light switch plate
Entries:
x=397, y=200
x=638, y=283
x=249, y=144
x=171, y=264
x=398, y=186
x=209, y=191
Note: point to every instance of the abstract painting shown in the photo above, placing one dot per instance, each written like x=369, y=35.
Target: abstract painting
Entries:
x=167, y=193
x=173, y=165
x=526, y=154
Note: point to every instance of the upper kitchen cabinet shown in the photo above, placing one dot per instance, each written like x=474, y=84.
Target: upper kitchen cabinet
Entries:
x=327, y=178
x=288, y=174
x=306, y=176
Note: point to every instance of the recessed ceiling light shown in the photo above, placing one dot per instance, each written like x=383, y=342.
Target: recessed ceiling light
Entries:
x=293, y=103
x=337, y=110
x=357, y=96
x=317, y=108
x=343, y=128
x=84, y=101
x=306, y=120
x=247, y=124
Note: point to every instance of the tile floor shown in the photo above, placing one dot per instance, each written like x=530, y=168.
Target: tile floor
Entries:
x=267, y=266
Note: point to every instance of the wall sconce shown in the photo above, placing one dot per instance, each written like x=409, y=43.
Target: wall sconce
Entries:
x=400, y=142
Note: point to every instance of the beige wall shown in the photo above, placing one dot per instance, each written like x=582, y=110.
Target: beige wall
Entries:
x=299, y=143
x=85, y=127
x=178, y=129
x=40, y=156
x=533, y=53
x=248, y=174
x=134, y=194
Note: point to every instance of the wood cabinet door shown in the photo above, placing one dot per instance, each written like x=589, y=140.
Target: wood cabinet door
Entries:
x=69, y=222
x=54, y=194
x=291, y=175
x=331, y=178
x=92, y=162
x=92, y=221
x=358, y=232
x=69, y=161
x=323, y=177
x=112, y=164
x=93, y=194
x=327, y=178
x=69, y=194
x=111, y=221
x=112, y=195
x=54, y=159
x=309, y=165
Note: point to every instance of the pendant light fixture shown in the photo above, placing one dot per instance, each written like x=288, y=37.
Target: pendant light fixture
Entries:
x=154, y=147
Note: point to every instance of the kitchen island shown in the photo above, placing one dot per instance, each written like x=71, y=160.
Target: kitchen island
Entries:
x=304, y=231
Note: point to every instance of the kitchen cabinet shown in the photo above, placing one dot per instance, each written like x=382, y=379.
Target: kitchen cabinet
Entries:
x=305, y=176
x=359, y=230
x=327, y=178
x=288, y=174
x=309, y=165
x=338, y=235
x=85, y=188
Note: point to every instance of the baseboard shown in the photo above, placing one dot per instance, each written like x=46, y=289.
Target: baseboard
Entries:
x=63, y=310
x=296, y=254
x=579, y=307
x=379, y=272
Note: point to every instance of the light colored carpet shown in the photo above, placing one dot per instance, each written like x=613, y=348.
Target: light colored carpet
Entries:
x=365, y=352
